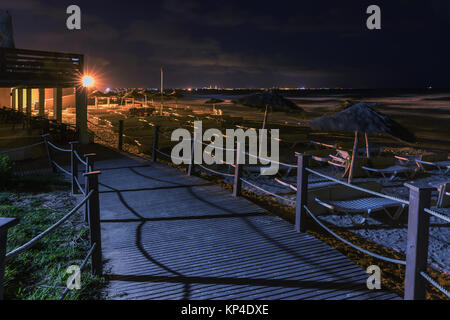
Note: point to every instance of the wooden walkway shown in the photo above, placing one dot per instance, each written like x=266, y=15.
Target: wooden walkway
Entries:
x=169, y=236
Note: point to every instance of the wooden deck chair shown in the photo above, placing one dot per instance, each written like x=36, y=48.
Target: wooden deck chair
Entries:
x=444, y=196
x=393, y=172
x=442, y=166
x=340, y=160
x=364, y=206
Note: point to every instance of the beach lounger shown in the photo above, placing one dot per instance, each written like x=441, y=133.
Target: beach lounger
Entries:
x=442, y=166
x=364, y=206
x=392, y=172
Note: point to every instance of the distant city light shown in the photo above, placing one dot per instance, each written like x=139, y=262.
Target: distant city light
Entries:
x=88, y=81
x=108, y=89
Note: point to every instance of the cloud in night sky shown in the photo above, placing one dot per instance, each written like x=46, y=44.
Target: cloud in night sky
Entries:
x=245, y=43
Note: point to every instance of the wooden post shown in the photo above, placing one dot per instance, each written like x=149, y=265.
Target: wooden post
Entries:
x=5, y=224
x=266, y=115
x=42, y=102
x=155, y=143
x=367, y=145
x=302, y=192
x=237, y=183
x=28, y=110
x=352, y=164
x=28, y=102
x=191, y=164
x=57, y=104
x=417, y=243
x=49, y=154
x=74, y=166
x=94, y=221
x=20, y=100
x=13, y=99
x=89, y=159
x=120, y=135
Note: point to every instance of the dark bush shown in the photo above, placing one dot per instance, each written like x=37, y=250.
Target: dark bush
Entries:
x=6, y=170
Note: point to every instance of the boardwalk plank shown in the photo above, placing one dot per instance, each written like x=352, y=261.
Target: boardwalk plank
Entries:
x=169, y=236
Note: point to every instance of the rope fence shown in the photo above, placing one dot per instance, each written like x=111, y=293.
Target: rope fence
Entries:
x=90, y=201
x=434, y=283
x=402, y=262
x=33, y=241
x=82, y=266
x=267, y=192
x=302, y=209
x=22, y=148
x=377, y=194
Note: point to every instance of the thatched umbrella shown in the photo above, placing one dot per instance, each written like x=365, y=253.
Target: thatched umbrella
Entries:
x=361, y=118
x=272, y=99
x=133, y=94
x=97, y=94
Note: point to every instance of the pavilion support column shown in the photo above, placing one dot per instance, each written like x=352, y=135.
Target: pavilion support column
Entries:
x=57, y=104
x=20, y=100
x=81, y=114
x=41, y=102
x=28, y=102
x=13, y=98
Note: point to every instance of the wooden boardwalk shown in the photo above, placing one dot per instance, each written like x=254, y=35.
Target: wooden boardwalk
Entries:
x=169, y=236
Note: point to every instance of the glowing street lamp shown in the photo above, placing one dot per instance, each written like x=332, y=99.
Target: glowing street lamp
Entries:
x=88, y=81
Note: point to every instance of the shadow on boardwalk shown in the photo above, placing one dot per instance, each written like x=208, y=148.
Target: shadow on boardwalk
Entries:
x=169, y=236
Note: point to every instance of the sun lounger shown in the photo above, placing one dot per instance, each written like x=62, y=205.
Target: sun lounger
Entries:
x=392, y=172
x=442, y=166
x=364, y=206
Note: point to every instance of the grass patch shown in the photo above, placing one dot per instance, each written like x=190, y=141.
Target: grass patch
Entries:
x=40, y=272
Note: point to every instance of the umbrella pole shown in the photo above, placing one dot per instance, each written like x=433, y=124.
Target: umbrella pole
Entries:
x=367, y=146
x=352, y=164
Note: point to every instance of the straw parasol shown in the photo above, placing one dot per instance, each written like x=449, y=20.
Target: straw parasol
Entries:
x=361, y=118
x=272, y=99
x=133, y=94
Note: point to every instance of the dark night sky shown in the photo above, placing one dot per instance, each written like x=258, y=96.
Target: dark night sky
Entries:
x=246, y=43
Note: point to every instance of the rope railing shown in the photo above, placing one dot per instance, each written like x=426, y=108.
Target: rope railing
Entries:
x=272, y=161
x=21, y=148
x=435, y=284
x=169, y=156
x=33, y=241
x=79, y=158
x=285, y=184
x=437, y=215
x=267, y=192
x=402, y=262
x=302, y=166
x=83, y=264
x=57, y=148
x=61, y=168
x=215, y=172
x=79, y=186
x=378, y=194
